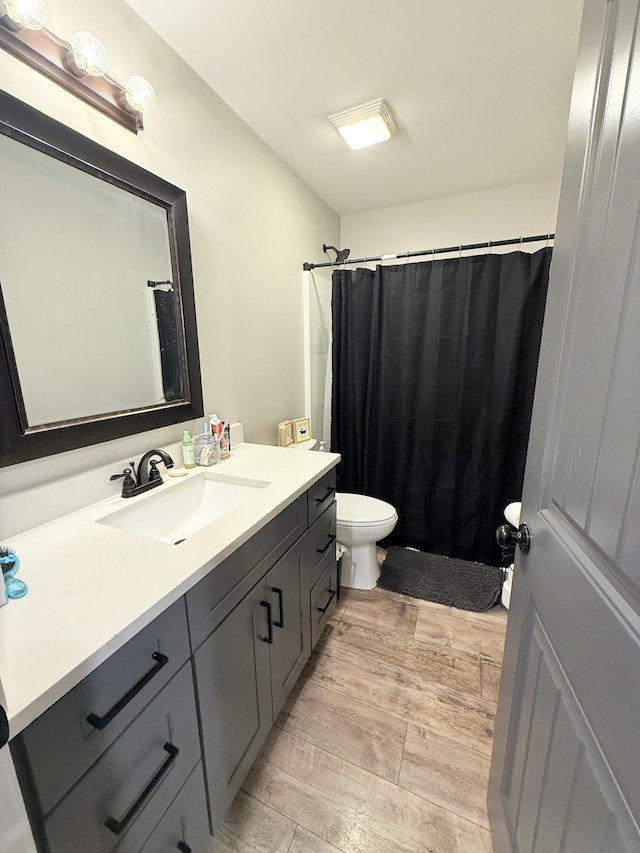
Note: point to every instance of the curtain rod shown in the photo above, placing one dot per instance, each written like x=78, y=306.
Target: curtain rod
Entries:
x=516, y=240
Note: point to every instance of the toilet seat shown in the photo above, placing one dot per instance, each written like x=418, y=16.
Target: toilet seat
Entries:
x=362, y=511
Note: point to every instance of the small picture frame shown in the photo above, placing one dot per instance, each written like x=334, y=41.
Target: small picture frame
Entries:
x=285, y=433
x=301, y=430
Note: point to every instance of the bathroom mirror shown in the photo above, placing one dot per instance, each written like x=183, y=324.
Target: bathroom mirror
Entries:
x=97, y=310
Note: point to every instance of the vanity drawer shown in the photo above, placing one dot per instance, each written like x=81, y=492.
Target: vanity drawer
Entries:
x=61, y=745
x=210, y=600
x=323, y=600
x=185, y=821
x=321, y=494
x=322, y=542
x=122, y=798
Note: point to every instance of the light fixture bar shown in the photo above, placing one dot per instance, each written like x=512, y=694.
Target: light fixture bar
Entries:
x=45, y=52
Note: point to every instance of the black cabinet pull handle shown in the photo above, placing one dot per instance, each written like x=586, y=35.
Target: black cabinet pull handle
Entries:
x=324, y=550
x=330, y=491
x=331, y=597
x=268, y=639
x=119, y=826
x=183, y=848
x=102, y=722
x=279, y=624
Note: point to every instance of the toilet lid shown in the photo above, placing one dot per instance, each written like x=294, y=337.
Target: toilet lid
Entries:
x=360, y=510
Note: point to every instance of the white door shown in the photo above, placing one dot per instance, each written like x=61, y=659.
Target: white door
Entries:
x=566, y=766
x=15, y=832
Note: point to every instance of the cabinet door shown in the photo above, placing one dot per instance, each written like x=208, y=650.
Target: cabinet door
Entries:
x=234, y=691
x=291, y=630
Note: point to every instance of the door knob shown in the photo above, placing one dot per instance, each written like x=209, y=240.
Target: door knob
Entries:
x=521, y=537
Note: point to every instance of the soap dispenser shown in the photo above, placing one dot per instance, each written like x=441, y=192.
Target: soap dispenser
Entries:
x=188, y=450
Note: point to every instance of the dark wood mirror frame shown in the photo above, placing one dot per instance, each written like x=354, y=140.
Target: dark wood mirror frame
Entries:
x=18, y=444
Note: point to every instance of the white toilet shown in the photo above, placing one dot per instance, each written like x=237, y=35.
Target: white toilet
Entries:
x=512, y=514
x=361, y=522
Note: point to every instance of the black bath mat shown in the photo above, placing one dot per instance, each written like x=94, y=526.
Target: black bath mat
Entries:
x=456, y=583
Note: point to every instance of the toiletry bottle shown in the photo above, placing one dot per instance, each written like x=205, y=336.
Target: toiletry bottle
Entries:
x=217, y=430
x=188, y=451
x=225, y=441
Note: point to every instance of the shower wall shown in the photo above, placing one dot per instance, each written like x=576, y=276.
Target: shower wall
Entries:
x=317, y=349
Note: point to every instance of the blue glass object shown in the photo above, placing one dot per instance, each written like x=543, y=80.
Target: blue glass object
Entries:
x=10, y=563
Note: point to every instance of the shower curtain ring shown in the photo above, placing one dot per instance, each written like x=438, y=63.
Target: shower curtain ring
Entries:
x=489, y=246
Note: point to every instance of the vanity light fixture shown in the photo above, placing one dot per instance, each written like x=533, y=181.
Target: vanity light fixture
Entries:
x=365, y=125
x=25, y=14
x=80, y=67
x=87, y=55
x=139, y=94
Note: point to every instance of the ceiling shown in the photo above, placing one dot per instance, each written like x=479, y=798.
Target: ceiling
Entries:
x=480, y=90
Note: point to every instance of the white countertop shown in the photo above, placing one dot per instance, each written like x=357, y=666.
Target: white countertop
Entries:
x=92, y=587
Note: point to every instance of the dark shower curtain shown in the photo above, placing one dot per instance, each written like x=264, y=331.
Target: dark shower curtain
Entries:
x=434, y=367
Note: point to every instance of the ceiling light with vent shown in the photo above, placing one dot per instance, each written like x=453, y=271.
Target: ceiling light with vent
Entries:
x=365, y=125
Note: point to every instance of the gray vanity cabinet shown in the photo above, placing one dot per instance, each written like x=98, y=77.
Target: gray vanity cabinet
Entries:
x=246, y=669
x=116, y=764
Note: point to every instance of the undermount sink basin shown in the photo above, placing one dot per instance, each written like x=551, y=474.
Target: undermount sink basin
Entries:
x=177, y=513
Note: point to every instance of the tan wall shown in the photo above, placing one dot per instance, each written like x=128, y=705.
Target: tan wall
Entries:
x=253, y=223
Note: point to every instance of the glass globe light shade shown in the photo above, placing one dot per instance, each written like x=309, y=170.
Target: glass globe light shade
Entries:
x=89, y=54
x=140, y=94
x=27, y=14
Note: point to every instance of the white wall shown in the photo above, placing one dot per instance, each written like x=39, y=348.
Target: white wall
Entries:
x=499, y=214
x=253, y=223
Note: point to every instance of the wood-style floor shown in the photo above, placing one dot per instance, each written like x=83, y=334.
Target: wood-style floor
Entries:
x=385, y=743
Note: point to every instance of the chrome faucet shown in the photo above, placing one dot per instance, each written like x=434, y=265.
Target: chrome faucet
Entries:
x=147, y=477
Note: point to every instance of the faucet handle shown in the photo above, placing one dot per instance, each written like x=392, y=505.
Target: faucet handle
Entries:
x=129, y=483
x=154, y=474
